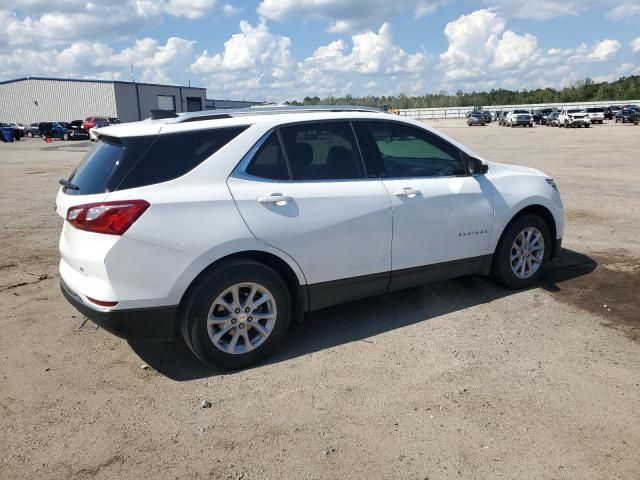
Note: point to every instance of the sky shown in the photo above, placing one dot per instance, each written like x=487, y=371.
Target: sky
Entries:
x=280, y=50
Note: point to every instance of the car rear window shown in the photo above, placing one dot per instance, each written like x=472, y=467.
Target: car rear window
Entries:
x=119, y=164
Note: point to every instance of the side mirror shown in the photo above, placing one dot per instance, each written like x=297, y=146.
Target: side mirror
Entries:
x=477, y=166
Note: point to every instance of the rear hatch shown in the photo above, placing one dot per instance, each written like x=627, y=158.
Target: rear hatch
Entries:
x=83, y=253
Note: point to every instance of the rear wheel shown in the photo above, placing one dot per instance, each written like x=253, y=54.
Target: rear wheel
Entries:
x=237, y=314
x=522, y=253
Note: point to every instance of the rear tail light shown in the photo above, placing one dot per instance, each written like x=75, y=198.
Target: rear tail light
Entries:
x=113, y=218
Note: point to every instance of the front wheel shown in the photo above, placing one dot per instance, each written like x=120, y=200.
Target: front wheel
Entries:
x=522, y=253
x=237, y=314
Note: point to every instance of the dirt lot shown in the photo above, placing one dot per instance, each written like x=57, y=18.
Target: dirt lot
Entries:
x=459, y=379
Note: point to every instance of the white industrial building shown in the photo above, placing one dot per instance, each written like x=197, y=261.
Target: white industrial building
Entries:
x=39, y=99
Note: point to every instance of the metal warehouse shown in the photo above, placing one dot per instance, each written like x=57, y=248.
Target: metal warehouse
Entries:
x=37, y=99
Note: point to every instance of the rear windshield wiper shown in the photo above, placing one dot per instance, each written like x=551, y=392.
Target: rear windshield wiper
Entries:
x=68, y=184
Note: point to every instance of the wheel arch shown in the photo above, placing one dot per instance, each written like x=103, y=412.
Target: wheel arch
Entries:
x=298, y=290
x=544, y=213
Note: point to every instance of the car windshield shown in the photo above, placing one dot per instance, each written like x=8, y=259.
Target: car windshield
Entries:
x=477, y=115
x=575, y=111
x=595, y=110
x=521, y=111
x=64, y=124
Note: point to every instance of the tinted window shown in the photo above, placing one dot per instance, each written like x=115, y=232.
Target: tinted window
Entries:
x=269, y=161
x=106, y=165
x=408, y=151
x=117, y=164
x=172, y=155
x=322, y=151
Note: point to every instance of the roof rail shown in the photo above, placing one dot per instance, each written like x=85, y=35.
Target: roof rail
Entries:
x=269, y=110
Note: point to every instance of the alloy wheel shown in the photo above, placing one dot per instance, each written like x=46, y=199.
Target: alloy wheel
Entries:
x=241, y=318
x=527, y=253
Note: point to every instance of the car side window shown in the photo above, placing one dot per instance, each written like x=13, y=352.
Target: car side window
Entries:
x=408, y=151
x=322, y=151
x=269, y=162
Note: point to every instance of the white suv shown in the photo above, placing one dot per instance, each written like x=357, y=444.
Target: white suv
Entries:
x=221, y=227
x=575, y=117
x=595, y=114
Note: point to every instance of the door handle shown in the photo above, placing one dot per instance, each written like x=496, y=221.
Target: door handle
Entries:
x=407, y=192
x=276, y=199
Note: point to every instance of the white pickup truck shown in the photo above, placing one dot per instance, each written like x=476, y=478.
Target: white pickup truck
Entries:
x=519, y=117
x=574, y=117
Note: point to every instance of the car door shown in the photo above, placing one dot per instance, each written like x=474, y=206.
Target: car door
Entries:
x=304, y=189
x=442, y=215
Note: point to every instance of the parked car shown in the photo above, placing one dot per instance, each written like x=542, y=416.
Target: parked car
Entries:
x=33, y=130
x=76, y=132
x=18, y=126
x=90, y=122
x=627, y=115
x=595, y=114
x=301, y=222
x=574, y=117
x=99, y=123
x=614, y=110
x=502, y=119
x=60, y=130
x=608, y=113
x=542, y=115
x=487, y=116
x=552, y=119
x=519, y=117
x=476, y=119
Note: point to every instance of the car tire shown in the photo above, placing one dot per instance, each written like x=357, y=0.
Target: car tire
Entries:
x=205, y=301
x=503, y=269
x=30, y=134
x=65, y=136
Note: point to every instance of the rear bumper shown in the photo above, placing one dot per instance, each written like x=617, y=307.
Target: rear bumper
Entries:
x=153, y=323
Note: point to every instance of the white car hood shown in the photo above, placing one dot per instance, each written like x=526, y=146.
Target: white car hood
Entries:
x=514, y=168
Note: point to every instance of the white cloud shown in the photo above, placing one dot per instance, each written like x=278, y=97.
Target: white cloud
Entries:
x=252, y=59
x=229, y=10
x=344, y=15
x=372, y=53
x=539, y=9
x=599, y=52
x=177, y=8
x=252, y=47
x=155, y=62
x=65, y=21
x=56, y=28
x=635, y=44
x=624, y=11
x=515, y=51
x=473, y=42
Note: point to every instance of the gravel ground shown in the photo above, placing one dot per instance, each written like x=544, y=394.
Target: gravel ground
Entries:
x=458, y=379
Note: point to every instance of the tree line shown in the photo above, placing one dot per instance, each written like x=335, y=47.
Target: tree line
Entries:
x=625, y=88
